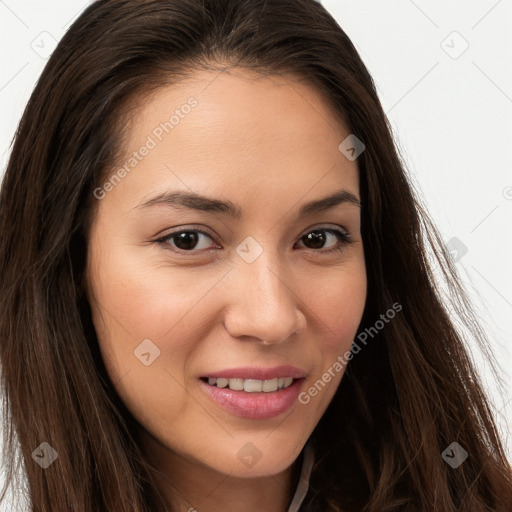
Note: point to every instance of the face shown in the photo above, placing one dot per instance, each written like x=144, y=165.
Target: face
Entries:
x=214, y=316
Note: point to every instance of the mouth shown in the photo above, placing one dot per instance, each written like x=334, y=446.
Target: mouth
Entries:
x=254, y=393
x=250, y=385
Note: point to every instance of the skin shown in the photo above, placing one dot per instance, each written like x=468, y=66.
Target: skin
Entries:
x=269, y=146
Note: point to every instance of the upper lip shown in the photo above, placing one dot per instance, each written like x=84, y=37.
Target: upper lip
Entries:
x=258, y=373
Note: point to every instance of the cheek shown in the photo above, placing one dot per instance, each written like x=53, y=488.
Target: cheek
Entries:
x=138, y=313
x=146, y=301
x=338, y=306
x=144, y=341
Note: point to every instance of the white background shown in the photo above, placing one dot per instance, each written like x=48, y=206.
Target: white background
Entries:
x=450, y=108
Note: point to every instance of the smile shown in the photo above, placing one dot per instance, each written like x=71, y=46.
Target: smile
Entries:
x=251, y=385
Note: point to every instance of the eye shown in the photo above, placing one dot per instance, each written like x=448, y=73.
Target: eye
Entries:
x=186, y=240
x=189, y=240
x=317, y=238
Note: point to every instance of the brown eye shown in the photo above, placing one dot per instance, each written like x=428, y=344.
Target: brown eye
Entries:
x=186, y=240
x=316, y=239
x=320, y=240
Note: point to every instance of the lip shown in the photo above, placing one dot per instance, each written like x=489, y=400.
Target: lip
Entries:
x=258, y=373
x=255, y=406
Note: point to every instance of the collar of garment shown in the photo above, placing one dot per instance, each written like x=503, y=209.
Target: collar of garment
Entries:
x=303, y=485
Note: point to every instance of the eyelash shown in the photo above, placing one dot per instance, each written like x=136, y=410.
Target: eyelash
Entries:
x=343, y=236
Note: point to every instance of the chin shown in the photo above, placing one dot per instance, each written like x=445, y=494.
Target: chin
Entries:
x=253, y=462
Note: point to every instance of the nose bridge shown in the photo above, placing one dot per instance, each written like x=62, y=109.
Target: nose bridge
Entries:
x=263, y=304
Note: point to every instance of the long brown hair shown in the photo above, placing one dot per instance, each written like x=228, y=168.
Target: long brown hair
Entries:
x=407, y=395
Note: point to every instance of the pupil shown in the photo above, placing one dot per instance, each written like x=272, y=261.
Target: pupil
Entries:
x=317, y=237
x=186, y=240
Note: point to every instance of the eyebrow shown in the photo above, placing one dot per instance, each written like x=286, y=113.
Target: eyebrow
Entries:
x=202, y=203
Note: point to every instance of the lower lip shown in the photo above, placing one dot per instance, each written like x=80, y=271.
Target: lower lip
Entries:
x=255, y=406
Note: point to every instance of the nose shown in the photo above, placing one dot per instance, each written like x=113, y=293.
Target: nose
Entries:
x=262, y=303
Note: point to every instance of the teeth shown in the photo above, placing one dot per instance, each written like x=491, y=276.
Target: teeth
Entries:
x=287, y=382
x=251, y=385
x=270, y=385
x=222, y=383
x=236, y=384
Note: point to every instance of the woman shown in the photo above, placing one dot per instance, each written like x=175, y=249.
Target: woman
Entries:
x=296, y=354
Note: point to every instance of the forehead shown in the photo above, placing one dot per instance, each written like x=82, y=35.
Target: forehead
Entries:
x=239, y=98
x=235, y=129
